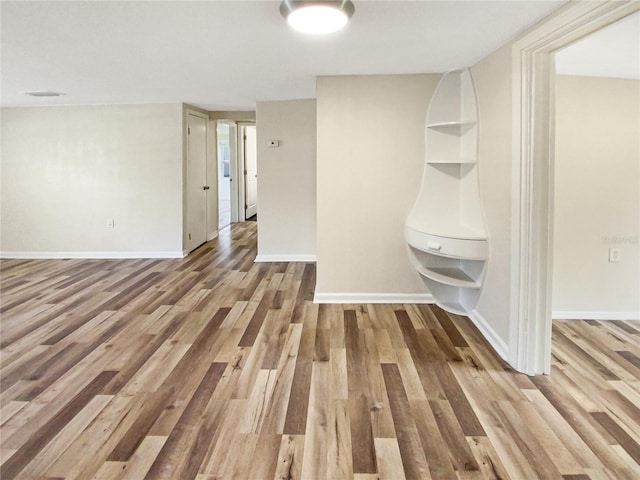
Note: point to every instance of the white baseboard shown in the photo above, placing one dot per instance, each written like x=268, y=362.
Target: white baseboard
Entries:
x=285, y=258
x=573, y=315
x=373, y=298
x=212, y=236
x=87, y=255
x=499, y=345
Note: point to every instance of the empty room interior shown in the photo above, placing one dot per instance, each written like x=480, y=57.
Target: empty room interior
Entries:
x=324, y=239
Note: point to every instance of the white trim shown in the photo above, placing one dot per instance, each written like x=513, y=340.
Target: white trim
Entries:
x=212, y=236
x=373, y=298
x=285, y=258
x=105, y=255
x=487, y=331
x=532, y=173
x=195, y=112
x=575, y=315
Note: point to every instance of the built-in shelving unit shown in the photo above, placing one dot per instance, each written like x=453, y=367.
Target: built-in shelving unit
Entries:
x=445, y=230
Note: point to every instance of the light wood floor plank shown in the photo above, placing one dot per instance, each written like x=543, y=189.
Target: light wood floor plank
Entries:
x=215, y=367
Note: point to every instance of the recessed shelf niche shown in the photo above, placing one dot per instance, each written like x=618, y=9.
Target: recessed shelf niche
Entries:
x=445, y=229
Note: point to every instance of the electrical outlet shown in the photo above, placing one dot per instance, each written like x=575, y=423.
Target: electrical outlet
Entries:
x=614, y=254
x=110, y=223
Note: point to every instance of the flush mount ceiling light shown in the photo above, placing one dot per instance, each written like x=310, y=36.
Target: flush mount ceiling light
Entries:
x=317, y=17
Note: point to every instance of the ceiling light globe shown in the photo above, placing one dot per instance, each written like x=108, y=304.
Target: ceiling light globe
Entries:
x=317, y=17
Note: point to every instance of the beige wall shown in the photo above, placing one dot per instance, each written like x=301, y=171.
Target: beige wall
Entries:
x=287, y=180
x=370, y=164
x=492, y=81
x=597, y=198
x=66, y=170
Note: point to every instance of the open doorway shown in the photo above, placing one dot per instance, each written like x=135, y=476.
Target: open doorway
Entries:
x=228, y=173
x=596, y=197
x=224, y=177
x=532, y=173
x=237, y=172
x=248, y=172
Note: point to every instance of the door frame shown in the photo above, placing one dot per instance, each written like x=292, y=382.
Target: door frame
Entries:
x=240, y=169
x=533, y=117
x=233, y=167
x=245, y=176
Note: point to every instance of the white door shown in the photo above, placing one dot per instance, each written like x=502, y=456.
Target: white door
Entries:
x=250, y=171
x=196, y=181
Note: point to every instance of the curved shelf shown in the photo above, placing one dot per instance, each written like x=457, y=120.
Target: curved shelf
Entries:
x=454, y=124
x=456, y=277
x=460, y=161
x=453, y=230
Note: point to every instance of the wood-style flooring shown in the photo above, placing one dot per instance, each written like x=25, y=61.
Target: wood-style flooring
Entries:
x=215, y=367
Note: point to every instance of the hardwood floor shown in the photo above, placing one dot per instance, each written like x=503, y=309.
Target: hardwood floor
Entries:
x=213, y=367
x=224, y=201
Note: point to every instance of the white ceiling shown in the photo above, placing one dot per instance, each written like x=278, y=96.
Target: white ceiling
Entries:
x=226, y=55
x=613, y=51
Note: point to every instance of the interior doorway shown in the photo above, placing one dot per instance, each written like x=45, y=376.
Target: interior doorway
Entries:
x=228, y=178
x=532, y=173
x=247, y=184
x=596, y=197
x=250, y=172
x=224, y=174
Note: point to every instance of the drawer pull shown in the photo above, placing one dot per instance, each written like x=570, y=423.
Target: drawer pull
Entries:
x=434, y=246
